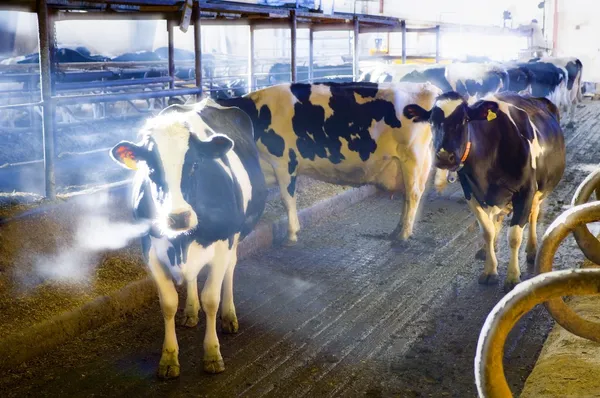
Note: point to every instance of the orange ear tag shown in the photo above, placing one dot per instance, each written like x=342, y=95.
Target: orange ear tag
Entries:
x=491, y=115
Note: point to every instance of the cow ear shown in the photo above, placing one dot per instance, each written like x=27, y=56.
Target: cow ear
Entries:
x=483, y=110
x=416, y=113
x=217, y=146
x=127, y=154
x=227, y=120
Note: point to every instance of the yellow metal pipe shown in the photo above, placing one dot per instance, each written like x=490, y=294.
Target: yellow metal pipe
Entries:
x=587, y=242
x=489, y=369
x=556, y=233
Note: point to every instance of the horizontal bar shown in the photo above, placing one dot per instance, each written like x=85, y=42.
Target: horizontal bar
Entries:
x=17, y=106
x=103, y=15
x=112, y=83
x=422, y=30
x=74, y=99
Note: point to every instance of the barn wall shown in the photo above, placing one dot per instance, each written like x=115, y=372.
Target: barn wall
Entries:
x=578, y=33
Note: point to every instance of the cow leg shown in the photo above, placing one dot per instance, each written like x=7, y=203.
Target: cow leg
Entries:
x=531, y=248
x=229, y=322
x=210, y=296
x=522, y=207
x=287, y=189
x=482, y=252
x=488, y=231
x=412, y=197
x=571, y=123
x=169, y=361
x=192, y=304
x=513, y=276
x=498, y=223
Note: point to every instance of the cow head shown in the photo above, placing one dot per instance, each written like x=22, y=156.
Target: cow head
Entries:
x=174, y=158
x=449, y=119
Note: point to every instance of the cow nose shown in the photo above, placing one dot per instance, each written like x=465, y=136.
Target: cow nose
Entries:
x=445, y=157
x=179, y=220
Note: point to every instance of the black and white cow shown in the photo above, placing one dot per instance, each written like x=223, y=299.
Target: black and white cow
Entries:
x=199, y=184
x=467, y=78
x=548, y=81
x=509, y=153
x=574, y=70
x=342, y=133
x=521, y=79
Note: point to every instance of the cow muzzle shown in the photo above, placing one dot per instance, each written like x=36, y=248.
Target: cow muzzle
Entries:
x=180, y=220
x=445, y=160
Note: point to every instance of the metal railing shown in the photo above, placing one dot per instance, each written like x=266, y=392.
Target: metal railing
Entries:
x=548, y=287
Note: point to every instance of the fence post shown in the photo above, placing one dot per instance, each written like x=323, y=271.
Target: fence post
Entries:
x=251, y=60
x=170, y=27
x=45, y=25
x=293, y=27
x=311, y=60
x=437, y=44
x=355, y=68
x=197, y=47
x=403, y=25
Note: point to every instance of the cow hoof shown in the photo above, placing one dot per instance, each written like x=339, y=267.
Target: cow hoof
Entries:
x=290, y=242
x=488, y=279
x=168, y=368
x=531, y=258
x=168, y=371
x=190, y=321
x=480, y=255
x=230, y=325
x=510, y=285
x=214, y=366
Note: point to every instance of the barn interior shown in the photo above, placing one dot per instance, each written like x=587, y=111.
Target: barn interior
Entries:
x=346, y=310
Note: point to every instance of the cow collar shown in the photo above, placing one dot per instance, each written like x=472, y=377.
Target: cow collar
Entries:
x=466, y=153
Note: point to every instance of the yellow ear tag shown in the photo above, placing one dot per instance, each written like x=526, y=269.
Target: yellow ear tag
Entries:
x=491, y=115
x=127, y=157
x=130, y=163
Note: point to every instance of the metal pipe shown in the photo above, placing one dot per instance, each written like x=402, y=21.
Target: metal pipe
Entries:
x=555, y=234
x=171, y=52
x=437, y=44
x=311, y=40
x=251, y=59
x=45, y=25
x=403, y=42
x=17, y=106
x=294, y=32
x=113, y=83
x=587, y=242
x=197, y=48
x=86, y=99
x=489, y=369
x=355, y=68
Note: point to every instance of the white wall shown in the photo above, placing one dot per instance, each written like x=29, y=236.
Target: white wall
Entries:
x=578, y=34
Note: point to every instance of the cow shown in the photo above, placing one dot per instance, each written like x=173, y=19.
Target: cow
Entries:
x=521, y=78
x=574, y=69
x=548, y=81
x=509, y=152
x=342, y=133
x=467, y=78
x=199, y=185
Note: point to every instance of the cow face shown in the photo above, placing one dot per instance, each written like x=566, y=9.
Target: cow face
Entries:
x=449, y=119
x=175, y=162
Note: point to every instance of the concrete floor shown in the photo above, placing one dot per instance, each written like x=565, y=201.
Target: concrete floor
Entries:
x=341, y=314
